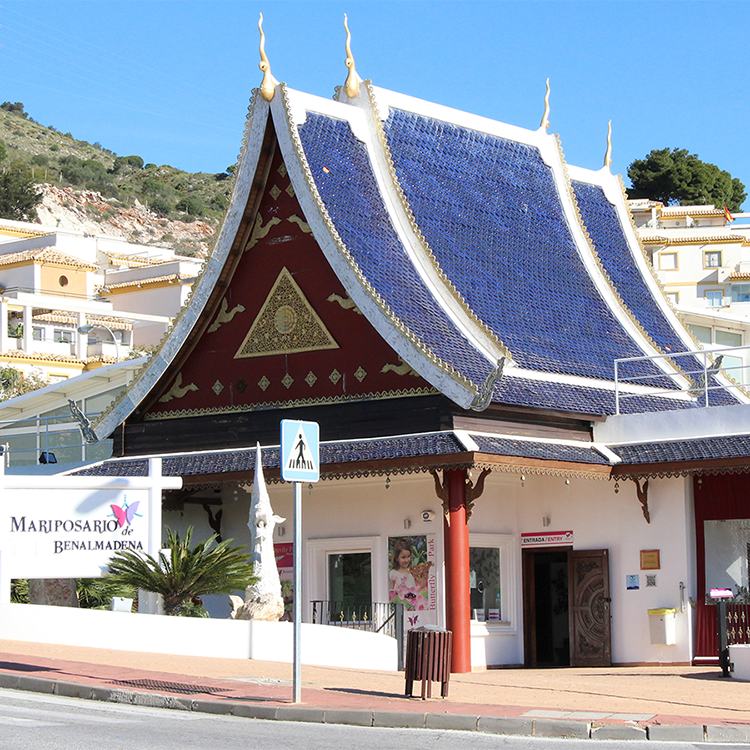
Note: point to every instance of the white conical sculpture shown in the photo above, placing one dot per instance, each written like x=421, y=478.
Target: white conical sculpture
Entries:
x=263, y=600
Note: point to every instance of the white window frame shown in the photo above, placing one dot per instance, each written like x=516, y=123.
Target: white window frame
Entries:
x=61, y=333
x=713, y=292
x=707, y=253
x=506, y=544
x=662, y=257
x=315, y=574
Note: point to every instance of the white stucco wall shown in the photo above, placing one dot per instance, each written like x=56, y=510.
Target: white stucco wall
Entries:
x=322, y=645
x=349, y=515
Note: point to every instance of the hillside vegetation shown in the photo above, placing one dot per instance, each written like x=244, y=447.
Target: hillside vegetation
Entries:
x=86, y=186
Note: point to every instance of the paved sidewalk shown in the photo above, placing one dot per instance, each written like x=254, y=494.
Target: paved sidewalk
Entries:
x=670, y=703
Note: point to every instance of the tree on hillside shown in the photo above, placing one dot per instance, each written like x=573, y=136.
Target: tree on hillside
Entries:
x=18, y=194
x=15, y=108
x=677, y=177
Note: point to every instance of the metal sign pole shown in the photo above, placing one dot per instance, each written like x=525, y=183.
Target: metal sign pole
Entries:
x=300, y=462
x=297, y=588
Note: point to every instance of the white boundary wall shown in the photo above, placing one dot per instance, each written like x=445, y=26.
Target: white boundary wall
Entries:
x=322, y=645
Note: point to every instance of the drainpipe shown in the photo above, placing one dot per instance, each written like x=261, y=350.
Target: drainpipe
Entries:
x=457, y=594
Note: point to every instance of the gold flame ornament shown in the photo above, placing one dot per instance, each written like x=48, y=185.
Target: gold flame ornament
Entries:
x=267, y=88
x=608, y=155
x=351, y=87
x=545, y=116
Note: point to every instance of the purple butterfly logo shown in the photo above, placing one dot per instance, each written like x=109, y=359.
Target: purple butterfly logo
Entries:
x=125, y=514
x=413, y=620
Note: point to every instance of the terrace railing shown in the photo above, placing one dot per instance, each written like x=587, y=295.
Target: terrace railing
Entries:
x=699, y=367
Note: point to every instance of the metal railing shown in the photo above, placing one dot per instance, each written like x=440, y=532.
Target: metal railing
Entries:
x=24, y=440
x=700, y=374
x=733, y=628
x=386, y=618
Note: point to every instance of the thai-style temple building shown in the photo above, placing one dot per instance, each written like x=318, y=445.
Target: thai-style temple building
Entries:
x=502, y=387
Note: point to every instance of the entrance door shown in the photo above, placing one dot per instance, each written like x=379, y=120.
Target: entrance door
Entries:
x=590, y=644
x=566, y=607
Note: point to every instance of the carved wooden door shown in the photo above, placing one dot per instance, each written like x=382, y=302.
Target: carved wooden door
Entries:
x=588, y=581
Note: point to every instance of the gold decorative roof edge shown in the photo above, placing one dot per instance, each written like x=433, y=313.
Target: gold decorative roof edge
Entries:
x=421, y=239
x=353, y=265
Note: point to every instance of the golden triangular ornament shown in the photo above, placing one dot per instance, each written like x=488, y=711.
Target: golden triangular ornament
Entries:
x=286, y=324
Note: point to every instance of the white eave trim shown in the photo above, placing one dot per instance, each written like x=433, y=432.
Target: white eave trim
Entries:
x=323, y=231
x=201, y=291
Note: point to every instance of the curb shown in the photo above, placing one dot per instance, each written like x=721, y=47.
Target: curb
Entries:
x=547, y=728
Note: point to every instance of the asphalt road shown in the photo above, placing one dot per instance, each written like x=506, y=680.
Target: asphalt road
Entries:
x=31, y=721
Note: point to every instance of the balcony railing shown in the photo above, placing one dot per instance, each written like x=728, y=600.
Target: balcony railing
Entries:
x=25, y=440
x=386, y=618
x=701, y=369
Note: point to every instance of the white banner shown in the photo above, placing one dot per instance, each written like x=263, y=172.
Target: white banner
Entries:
x=70, y=527
x=70, y=533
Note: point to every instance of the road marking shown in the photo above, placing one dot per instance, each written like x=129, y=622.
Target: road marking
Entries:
x=64, y=715
x=18, y=722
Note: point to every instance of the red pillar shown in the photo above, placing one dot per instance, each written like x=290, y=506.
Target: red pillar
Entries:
x=457, y=601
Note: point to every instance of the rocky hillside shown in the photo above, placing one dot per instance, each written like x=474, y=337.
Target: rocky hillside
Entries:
x=90, y=188
x=89, y=211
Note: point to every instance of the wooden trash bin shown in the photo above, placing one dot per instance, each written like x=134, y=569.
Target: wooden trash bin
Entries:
x=428, y=658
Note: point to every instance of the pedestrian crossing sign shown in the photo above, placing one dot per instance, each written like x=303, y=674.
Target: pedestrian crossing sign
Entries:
x=300, y=452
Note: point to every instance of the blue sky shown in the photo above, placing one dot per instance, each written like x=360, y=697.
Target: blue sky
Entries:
x=171, y=81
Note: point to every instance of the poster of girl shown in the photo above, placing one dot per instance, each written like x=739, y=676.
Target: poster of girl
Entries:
x=409, y=571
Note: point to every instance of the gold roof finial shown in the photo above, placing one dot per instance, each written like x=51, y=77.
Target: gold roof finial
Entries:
x=608, y=155
x=545, y=116
x=351, y=87
x=267, y=89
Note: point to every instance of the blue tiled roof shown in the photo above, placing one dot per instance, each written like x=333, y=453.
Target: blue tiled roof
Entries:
x=243, y=459
x=704, y=449
x=575, y=398
x=344, y=177
x=502, y=446
x=605, y=230
x=490, y=211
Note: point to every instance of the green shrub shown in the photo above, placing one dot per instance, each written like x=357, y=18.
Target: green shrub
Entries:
x=161, y=206
x=192, y=205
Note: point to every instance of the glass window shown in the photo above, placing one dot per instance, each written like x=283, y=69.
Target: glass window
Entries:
x=714, y=299
x=37, y=334
x=668, y=261
x=726, y=553
x=728, y=338
x=99, y=402
x=732, y=366
x=350, y=579
x=63, y=336
x=484, y=583
x=702, y=333
x=740, y=292
x=713, y=259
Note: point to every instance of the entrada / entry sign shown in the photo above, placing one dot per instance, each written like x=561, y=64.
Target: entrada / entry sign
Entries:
x=300, y=459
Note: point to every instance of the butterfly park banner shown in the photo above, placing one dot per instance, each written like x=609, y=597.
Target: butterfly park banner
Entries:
x=412, y=579
x=70, y=527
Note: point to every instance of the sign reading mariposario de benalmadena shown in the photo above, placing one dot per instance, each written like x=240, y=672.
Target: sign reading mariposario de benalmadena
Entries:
x=70, y=533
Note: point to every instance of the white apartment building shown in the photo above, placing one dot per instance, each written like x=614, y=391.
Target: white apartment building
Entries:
x=54, y=282
x=703, y=262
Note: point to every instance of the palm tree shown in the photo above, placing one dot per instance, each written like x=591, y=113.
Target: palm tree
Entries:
x=185, y=573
